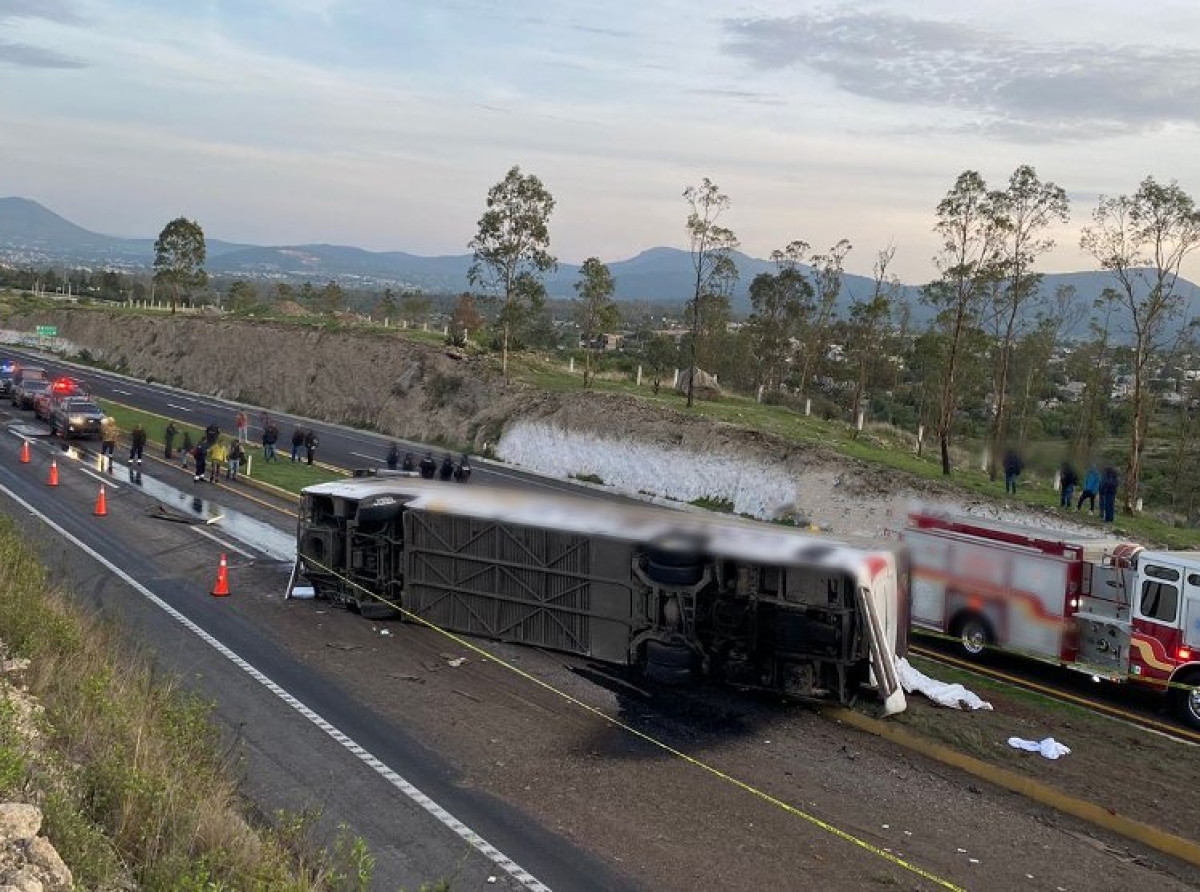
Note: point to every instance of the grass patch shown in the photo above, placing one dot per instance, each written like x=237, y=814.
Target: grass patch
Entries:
x=712, y=503
x=282, y=473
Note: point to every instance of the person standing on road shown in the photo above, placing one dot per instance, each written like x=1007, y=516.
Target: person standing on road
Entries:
x=243, y=425
x=1109, y=482
x=1091, y=485
x=108, y=441
x=211, y=433
x=216, y=457
x=234, y=459
x=297, y=442
x=393, y=457
x=137, y=445
x=310, y=445
x=169, y=440
x=200, y=454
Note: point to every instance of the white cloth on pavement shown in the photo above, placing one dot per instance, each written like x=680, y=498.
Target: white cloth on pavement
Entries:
x=1050, y=748
x=953, y=695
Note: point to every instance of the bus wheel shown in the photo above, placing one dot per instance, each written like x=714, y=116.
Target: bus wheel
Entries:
x=973, y=634
x=668, y=663
x=1187, y=700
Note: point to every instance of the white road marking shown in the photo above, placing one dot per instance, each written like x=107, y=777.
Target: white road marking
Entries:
x=123, y=392
x=368, y=457
x=481, y=845
x=224, y=543
x=179, y=407
x=108, y=483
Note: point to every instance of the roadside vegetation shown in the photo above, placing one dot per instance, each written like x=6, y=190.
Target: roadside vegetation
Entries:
x=134, y=784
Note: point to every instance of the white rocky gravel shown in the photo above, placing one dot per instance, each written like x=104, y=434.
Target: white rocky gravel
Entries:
x=827, y=495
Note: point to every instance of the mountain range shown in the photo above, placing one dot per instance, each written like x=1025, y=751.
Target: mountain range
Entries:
x=33, y=235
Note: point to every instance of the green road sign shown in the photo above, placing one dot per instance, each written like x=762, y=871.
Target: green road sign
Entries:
x=47, y=331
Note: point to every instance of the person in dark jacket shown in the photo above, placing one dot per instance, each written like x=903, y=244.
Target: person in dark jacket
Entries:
x=393, y=457
x=1012, y=470
x=409, y=463
x=1068, y=479
x=169, y=436
x=1109, y=481
x=233, y=460
x=211, y=433
x=462, y=469
x=297, y=443
x=270, y=437
x=310, y=445
x=137, y=445
x=200, y=454
x=428, y=466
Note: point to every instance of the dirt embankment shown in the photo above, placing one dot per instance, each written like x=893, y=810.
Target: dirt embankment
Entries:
x=382, y=381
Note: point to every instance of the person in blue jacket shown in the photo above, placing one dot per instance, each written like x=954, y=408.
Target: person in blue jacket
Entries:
x=1091, y=486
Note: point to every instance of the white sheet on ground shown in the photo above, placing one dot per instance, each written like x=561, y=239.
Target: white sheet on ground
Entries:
x=953, y=695
x=1050, y=748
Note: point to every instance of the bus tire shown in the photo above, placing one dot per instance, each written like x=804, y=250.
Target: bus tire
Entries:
x=1185, y=699
x=669, y=656
x=676, y=551
x=973, y=635
x=680, y=575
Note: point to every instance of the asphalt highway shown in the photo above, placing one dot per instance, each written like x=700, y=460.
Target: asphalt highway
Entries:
x=307, y=745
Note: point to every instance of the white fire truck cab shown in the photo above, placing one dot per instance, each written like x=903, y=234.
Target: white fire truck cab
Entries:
x=1096, y=604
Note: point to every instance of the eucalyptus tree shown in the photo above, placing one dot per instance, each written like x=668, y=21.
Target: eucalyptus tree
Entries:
x=1024, y=211
x=512, y=250
x=780, y=302
x=179, y=255
x=968, y=226
x=712, y=246
x=596, y=312
x=1142, y=240
x=867, y=319
x=825, y=274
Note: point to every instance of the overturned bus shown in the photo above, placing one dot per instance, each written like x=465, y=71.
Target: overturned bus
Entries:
x=675, y=593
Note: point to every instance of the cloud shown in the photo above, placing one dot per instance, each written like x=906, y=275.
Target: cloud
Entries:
x=62, y=11
x=1004, y=86
x=26, y=56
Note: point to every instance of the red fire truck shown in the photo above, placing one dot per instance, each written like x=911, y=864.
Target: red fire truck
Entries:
x=1100, y=605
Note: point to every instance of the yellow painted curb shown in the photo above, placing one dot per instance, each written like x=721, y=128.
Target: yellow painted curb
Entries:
x=1176, y=846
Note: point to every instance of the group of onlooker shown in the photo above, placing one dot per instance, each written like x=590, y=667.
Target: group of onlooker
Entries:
x=1096, y=483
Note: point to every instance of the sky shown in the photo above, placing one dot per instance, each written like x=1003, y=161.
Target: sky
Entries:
x=383, y=124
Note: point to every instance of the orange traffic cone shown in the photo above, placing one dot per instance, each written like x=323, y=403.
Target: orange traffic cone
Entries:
x=101, y=503
x=221, y=589
x=25, y=453
x=53, y=481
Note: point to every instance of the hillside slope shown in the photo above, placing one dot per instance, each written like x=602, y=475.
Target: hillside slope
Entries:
x=415, y=391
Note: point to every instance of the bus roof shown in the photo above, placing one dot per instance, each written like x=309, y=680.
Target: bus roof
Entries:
x=718, y=535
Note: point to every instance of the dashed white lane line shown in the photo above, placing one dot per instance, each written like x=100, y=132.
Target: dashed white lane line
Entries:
x=175, y=406
x=224, y=543
x=481, y=845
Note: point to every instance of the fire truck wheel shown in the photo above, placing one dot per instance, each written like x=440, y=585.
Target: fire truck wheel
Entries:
x=974, y=635
x=1187, y=700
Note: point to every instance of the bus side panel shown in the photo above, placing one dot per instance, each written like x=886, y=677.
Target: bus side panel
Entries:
x=515, y=583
